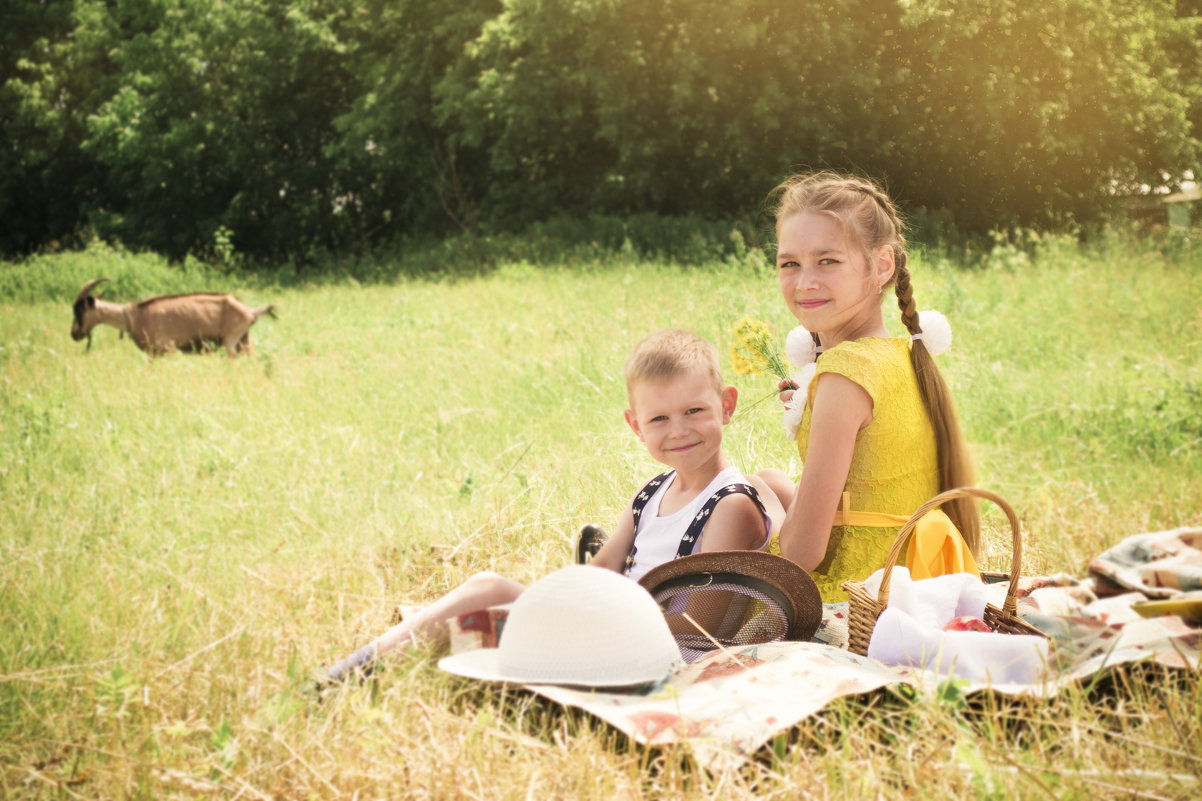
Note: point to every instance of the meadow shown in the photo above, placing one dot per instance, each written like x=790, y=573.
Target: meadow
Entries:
x=184, y=541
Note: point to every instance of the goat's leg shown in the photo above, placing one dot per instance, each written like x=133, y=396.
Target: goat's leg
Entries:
x=232, y=340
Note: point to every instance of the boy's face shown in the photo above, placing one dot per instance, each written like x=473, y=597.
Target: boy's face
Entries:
x=680, y=419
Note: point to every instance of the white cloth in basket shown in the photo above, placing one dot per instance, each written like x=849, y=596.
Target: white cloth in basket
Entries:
x=910, y=631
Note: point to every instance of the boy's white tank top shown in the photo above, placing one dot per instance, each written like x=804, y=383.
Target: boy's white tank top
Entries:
x=658, y=538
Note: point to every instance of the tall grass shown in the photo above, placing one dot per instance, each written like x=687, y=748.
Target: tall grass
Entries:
x=185, y=539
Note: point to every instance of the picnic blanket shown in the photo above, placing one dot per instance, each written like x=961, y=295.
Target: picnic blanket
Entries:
x=730, y=703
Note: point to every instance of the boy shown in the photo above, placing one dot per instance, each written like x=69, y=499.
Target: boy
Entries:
x=678, y=407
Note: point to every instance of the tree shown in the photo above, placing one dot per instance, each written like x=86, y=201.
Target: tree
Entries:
x=407, y=172
x=46, y=182
x=220, y=121
x=671, y=107
x=303, y=126
x=1024, y=113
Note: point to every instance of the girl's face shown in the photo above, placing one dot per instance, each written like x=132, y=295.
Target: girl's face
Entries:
x=827, y=281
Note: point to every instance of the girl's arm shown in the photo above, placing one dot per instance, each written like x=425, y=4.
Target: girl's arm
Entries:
x=841, y=408
x=613, y=553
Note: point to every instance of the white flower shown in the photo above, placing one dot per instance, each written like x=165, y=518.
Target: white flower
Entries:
x=793, y=412
x=936, y=331
x=795, y=406
x=800, y=347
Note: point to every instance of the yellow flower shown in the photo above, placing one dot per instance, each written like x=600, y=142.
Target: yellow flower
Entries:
x=754, y=353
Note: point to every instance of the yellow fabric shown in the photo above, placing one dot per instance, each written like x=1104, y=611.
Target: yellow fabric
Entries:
x=937, y=548
x=894, y=467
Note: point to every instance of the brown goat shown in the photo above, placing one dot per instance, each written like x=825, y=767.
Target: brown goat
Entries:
x=192, y=323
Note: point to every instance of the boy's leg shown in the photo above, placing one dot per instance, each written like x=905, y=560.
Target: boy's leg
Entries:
x=479, y=592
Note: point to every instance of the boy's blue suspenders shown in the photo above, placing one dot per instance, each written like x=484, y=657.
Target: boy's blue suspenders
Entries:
x=694, y=530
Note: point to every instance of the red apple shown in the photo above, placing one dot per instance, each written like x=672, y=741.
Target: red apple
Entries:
x=967, y=623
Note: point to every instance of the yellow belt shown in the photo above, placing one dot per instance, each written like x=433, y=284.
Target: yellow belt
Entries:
x=936, y=545
x=845, y=516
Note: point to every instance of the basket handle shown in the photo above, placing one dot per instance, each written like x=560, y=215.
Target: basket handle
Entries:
x=1011, y=604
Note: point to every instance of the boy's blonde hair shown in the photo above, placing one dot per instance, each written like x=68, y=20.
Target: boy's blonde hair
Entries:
x=671, y=352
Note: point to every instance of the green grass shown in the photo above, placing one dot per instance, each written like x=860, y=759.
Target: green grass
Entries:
x=185, y=539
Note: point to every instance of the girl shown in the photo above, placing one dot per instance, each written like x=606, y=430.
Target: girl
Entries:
x=878, y=434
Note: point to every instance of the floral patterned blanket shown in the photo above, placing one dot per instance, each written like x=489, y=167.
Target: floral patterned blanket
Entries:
x=729, y=704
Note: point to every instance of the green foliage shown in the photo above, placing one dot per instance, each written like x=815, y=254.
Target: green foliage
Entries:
x=1034, y=113
x=113, y=692
x=199, y=115
x=557, y=242
x=220, y=122
x=1153, y=421
x=47, y=183
x=289, y=129
x=673, y=107
x=58, y=277
x=406, y=173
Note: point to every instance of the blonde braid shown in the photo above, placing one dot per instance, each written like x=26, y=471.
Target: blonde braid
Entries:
x=905, y=294
x=955, y=465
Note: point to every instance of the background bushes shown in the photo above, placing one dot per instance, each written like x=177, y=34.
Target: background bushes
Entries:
x=284, y=129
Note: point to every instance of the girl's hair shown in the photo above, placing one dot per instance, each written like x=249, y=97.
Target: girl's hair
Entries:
x=870, y=219
x=669, y=353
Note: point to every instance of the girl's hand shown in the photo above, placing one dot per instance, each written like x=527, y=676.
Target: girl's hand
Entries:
x=786, y=387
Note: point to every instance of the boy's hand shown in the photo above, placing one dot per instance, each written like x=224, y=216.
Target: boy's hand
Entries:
x=613, y=552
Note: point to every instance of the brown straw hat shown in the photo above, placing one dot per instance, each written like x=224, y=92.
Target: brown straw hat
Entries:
x=739, y=598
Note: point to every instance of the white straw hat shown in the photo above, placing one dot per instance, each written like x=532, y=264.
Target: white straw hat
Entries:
x=580, y=625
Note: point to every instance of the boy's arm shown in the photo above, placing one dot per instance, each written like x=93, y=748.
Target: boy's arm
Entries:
x=735, y=525
x=613, y=553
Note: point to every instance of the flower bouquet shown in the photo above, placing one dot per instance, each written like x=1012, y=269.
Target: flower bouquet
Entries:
x=754, y=352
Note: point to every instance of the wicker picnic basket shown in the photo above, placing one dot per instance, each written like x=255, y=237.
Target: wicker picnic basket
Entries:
x=863, y=609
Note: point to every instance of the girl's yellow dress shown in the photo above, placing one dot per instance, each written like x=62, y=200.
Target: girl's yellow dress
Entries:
x=894, y=468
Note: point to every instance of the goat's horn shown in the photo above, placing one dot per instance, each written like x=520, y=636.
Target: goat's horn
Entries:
x=88, y=287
